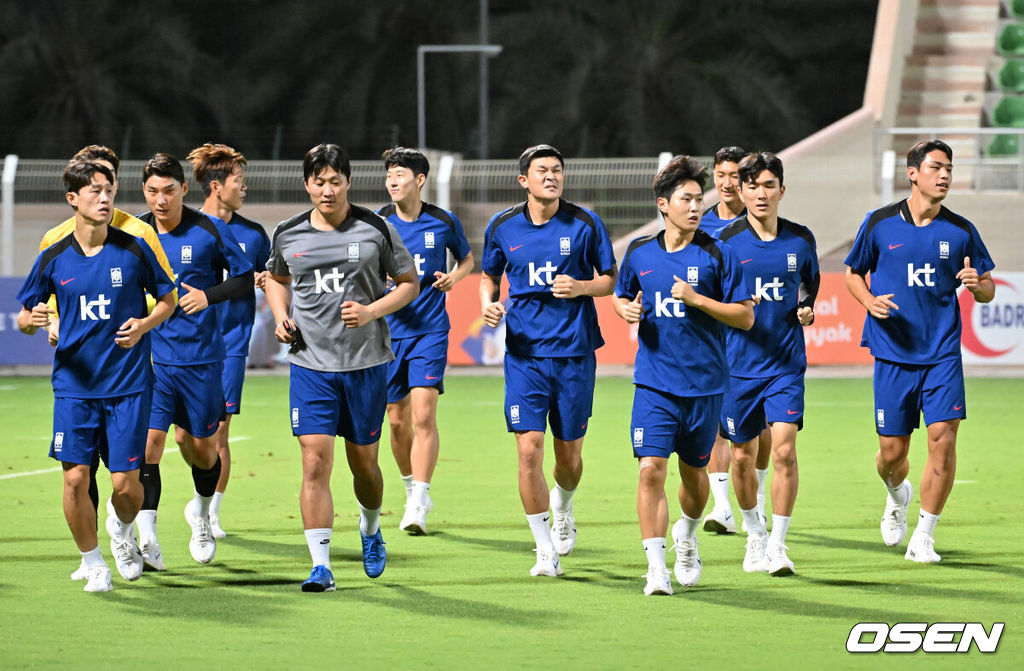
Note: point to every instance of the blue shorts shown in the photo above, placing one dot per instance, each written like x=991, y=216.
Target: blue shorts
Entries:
x=349, y=404
x=419, y=362
x=114, y=426
x=562, y=386
x=191, y=397
x=663, y=423
x=902, y=391
x=751, y=404
x=232, y=379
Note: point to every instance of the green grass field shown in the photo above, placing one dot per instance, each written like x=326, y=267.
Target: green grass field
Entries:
x=462, y=597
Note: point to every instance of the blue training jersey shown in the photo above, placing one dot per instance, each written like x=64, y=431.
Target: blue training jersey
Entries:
x=428, y=239
x=200, y=249
x=573, y=243
x=784, y=272
x=918, y=265
x=95, y=296
x=712, y=224
x=236, y=315
x=681, y=349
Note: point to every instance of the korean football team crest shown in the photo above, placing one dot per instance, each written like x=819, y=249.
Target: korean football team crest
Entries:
x=115, y=277
x=638, y=436
x=943, y=249
x=791, y=262
x=691, y=275
x=353, y=251
x=513, y=413
x=564, y=246
x=186, y=253
x=428, y=239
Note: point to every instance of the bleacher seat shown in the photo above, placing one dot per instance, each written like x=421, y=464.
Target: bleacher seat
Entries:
x=1011, y=76
x=1009, y=111
x=1016, y=8
x=1004, y=145
x=1011, y=41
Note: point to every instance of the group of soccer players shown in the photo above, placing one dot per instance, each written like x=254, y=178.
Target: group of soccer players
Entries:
x=719, y=297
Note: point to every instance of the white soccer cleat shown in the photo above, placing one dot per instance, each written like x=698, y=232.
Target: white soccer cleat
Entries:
x=152, y=557
x=414, y=521
x=754, y=561
x=563, y=528
x=124, y=546
x=215, y=529
x=720, y=522
x=894, y=519
x=99, y=579
x=202, y=544
x=922, y=549
x=82, y=572
x=779, y=564
x=688, y=566
x=659, y=581
x=547, y=565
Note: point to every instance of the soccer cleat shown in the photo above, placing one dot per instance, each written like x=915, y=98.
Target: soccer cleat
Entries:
x=720, y=522
x=414, y=520
x=547, y=564
x=921, y=548
x=894, y=519
x=99, y=579
x=688, y=565
x=82, y=572
x=320, y=580
x=124, y=546
x=215, y=529
x=754, y=561
x=152, y=557
x=563, y=529
x=659, y=581
x=375, y=557
x=202, y=545
x=779, y=564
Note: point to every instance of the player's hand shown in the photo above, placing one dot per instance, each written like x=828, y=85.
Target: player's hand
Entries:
x=682, y=291
x=493, y=313
x=444, y=281
x=283, y=331
x=968, y=276
x=260, y=280
x=566, y=286
x=52, y=330
x=355, y=314
x=805, y=315
x=880, y=307
x=633, y=311
x=194, y=301
x=40, y=315
x=128, y=334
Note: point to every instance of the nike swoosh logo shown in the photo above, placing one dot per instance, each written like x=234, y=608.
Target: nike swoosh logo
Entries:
x=512, y=249
x=895, y=246
x=792, y=412
x=433, y=377
x=958, y=407
x=63, y=282
x=644, y=272
x=210, y=426
x=132, y=459
x=746, y=261
x=298, y=254
x=374, y=432
x=705, y=456
x=230, y=404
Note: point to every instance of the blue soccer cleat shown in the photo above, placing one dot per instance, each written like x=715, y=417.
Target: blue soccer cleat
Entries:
x=375, y=558
x=320, y=580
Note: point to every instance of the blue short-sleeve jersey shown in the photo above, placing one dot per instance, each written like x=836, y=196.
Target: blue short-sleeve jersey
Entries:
x=681, y=349
x=95, y=296
x=784, y=272
x=429, y=238
x=918, y=265
x=712, y=224
x=236, y=315
x=573, y=243
x=200, y=250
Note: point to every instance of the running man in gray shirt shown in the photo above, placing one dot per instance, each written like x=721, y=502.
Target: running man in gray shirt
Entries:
x=336, y=258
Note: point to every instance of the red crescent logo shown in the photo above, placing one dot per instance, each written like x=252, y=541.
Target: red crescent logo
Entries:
x=968, y=336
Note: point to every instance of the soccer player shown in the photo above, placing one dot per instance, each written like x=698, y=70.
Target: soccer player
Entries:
x=101, y=374
x=419, y=331
x=220, y=171
x=129, y=224
x=683, y=287
x=768, y=362
x=557, y=257
x=918, y=253
x=335, y=258
x=188, y=352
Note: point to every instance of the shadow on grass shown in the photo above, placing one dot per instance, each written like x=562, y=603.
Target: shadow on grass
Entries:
x=408, y=599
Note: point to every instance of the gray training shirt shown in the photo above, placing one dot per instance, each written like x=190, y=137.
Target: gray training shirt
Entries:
x=328, y=268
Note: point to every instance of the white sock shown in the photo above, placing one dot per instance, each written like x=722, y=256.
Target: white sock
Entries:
x=897, y=494
x=655, y=549
x=755, y=527
x=120, y=526
x=762, y=474
x=93, y=557
x=561, y=499
x=202, y=504
x=780, y=525
x=689, y=526
x=369, y=520
x=540, y=526
x=926, y=524
x=319, y=542
x=407, y=483
x=146, y=519
x=720, y=490
x=215, y=504
x=418, y=495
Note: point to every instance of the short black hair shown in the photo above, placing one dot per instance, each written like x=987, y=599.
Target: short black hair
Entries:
x=94, y=152
x=680, y=169
x=404, y=157
x=163, y=165
x=916, y=154
x=730, y=154
x=78, y=174
x=326, y=156
x=754, y=164
x=537, y=151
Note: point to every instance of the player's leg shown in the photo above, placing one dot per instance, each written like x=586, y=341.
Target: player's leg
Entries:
x=317, y=507
x=720, y=520
x=697, y=422
x=572, y=379
x=232, y=378
x=161, y=417
x=81, y=519
x=897, y=392
x=423, y=458
x=399, y=411
x=785, y=483
x=124, y=438
x=764, y=457
x=652, y=510
x=82, y=572
x=743, y=418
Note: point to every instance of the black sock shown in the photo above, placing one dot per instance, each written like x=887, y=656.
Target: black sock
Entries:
x=94, y=490
x=150, y=477
x=206, y=480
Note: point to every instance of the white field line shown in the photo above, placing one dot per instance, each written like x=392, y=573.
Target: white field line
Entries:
x=55, y=469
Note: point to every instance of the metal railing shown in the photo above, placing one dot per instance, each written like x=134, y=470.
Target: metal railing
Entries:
x=985, y=159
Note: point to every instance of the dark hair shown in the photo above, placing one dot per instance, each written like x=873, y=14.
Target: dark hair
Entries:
x=754, y=164
x=916, y=154
x=78, y=174
x=403, y=157
x=326, y=156
x=537, y=151
x=163, y=165
x=680, y=169
x=213, y=163
x=95, y=152
x=730, y=154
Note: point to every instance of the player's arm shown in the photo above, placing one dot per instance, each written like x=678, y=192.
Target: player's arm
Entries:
x=877, y=306
x=738, y=315
x=445, y=281
x=130, y=332
x=491, y=307
x=30, y=321
x=631, y=311
x=566, y=286
x=407, y=288
x=279, y=298
x=982, y=286
x=808, y=294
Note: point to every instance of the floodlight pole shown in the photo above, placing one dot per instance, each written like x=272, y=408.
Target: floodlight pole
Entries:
x=7, y=216
x=421, y=87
